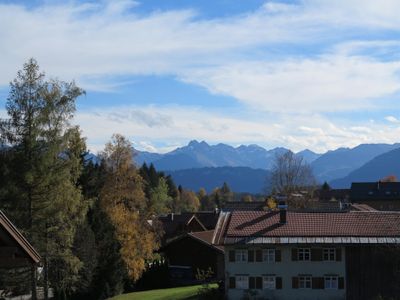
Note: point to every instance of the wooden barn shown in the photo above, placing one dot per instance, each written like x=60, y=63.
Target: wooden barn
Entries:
x=192, y=251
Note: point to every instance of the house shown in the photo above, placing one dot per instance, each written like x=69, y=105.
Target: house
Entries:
x=193, y=251
x=379, y=195
x=310, y=255
x=187, y=246
x=174, y=225
x=15, y=250
x=342, y=195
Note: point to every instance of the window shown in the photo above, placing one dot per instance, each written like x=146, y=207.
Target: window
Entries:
x=269, y=282
x=304, y=254
x=304, y=282
x=329, y=254
x=331, y=282
x=255, y=283
x=241, y=255
x=269, y=255
x=242, y=282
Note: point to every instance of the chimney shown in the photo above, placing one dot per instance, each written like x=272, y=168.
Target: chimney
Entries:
x=282, y=212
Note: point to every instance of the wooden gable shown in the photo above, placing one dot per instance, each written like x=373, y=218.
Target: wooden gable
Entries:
x=15, y=250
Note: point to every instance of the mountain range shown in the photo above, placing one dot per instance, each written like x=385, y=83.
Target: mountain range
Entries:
x=200, y=154
x=379, y=167
x=245, y=168
x=341, y=162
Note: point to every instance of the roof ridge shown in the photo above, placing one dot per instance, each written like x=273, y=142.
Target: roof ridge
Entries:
x=19, y=238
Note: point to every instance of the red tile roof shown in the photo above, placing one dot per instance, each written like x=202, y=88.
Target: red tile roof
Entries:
x=315, y=224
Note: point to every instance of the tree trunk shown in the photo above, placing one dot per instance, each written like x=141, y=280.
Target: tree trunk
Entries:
x=33, y=281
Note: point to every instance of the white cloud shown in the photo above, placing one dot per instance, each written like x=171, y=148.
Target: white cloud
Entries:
x=295, y=131
x=328, y=83
x=255, y=57
x=79, y=40
x=94, y=42
x=392, y=119
x=144, y=146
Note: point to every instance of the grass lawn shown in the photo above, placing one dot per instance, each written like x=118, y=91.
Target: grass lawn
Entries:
x=180, y=293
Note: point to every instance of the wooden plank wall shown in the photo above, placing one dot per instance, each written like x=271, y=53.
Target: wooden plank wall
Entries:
x=372, y=271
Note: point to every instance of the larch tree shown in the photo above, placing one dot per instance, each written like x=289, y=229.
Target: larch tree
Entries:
x=123, y=199
x=160, y=201
x=42, y=195
x=188, y=201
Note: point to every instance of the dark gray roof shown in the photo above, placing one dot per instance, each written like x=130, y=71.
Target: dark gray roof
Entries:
x=364, y=191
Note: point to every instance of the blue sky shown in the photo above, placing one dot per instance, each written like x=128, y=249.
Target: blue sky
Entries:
x=300, y=74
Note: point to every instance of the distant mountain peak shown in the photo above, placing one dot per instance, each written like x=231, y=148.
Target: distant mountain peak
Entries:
x=195, y=143
x=306, y=151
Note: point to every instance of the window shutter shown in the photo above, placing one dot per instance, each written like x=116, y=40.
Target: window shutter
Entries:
x=250, y=256
x=294, y=253
x=259, y=283
x=231, y=255
x=252, y=282
x=295, y=282
x=232, y=282
x=258, y=255
x=338, y=254
x=278, y=256
x=316, y=254
x=278, y=283
x=318, y=283
x=341, y=283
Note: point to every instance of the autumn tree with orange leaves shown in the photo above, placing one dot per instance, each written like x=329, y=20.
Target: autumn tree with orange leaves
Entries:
x=123, y=199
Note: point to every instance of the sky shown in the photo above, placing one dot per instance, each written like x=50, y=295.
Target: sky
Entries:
x=299, y=74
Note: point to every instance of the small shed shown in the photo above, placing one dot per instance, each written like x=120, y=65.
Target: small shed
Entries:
x=16, y=251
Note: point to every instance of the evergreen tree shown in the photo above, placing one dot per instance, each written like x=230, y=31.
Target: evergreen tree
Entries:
x=153, y=176
x=325, y=186
x=226, y=193
x=110, y=273
x=172, y=189
x=144, y=173
x=42, y=195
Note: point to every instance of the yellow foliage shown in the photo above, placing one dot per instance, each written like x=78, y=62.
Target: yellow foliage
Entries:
x=271, y=203
x=123, y=199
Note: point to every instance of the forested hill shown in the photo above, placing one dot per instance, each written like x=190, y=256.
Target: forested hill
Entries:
x=239, y=179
